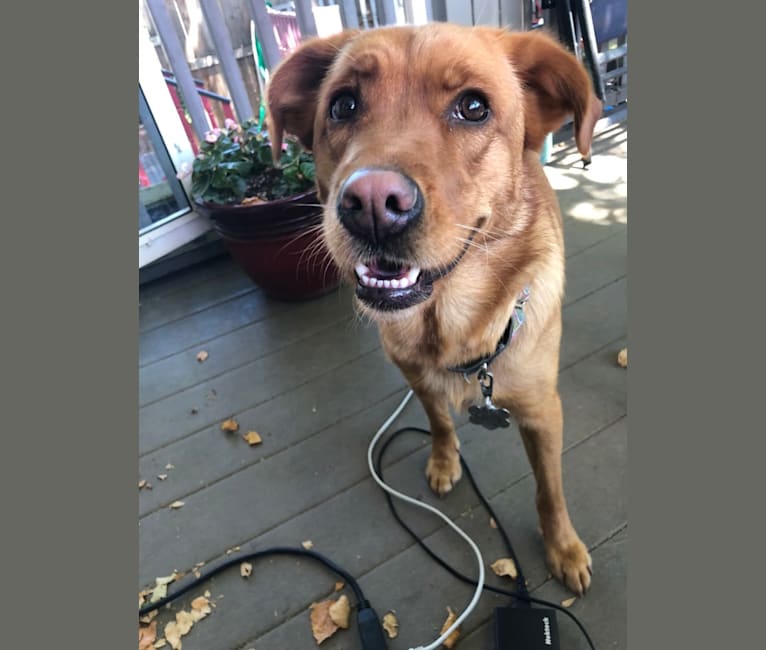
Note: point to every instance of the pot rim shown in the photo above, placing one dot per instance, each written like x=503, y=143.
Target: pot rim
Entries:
x=270, y=229
x=239, y=206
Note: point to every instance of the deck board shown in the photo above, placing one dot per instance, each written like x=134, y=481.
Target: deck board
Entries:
x=247, y=386
x=236, y=348
x=204, y=287
x=312, y=379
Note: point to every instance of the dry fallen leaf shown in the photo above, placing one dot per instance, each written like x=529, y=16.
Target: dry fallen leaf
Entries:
x=176, y=504
x=322, y=625
x=161, y=643
x=253, y=438
x=452, y=638
x=230, y=425
x=162, y=477
x=245, y=569
x=161, y=587
x=147, y=636
x=391, y=625
x=142, y=483
x=185, y=621
x=173, y=635
x=251, y=199
x=622, y=358
x=492, y=522
x=149, y=617
x=339, y=586
x=568, y=602
x=339, y=612
x=200, y=607
x=308, y=544
x=505, y=567
x=169, y=466
x=202, y=355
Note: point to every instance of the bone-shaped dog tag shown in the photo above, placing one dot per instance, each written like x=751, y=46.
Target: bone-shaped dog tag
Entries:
x=488, y=415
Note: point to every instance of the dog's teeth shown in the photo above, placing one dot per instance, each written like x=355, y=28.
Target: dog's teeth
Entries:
x=368, y=279
x=362, y=270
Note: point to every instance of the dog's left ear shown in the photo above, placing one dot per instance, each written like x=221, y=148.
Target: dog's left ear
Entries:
x=555, y=85
x=294, y=87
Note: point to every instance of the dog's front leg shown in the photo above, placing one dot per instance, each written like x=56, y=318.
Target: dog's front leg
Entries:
x=443, y=469
x=541, y=427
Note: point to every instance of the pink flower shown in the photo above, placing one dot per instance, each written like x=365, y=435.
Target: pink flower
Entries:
x=212, y=136
x=231, y=124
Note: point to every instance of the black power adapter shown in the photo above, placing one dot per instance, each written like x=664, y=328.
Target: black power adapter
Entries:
x=526, y=628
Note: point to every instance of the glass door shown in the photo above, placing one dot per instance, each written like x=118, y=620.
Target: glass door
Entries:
x=166, y=219
x=161, y=197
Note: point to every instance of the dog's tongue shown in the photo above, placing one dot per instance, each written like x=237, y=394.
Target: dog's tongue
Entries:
x=386, y=270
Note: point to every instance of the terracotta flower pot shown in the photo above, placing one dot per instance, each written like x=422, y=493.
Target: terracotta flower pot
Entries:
x=278, y=244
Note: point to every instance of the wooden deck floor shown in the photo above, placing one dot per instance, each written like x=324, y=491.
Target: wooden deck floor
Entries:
x=315, y=384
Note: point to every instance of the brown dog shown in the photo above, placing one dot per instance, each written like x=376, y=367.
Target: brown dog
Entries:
x=427, y=141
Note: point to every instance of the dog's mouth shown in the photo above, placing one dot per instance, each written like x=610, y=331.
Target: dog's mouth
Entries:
x=388, y=285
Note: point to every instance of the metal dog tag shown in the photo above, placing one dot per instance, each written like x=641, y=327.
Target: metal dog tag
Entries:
x=488, y=415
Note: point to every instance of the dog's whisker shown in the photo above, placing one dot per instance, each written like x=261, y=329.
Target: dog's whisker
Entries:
x=473, y=244
x=308, y=231
x=495, y=235
x=489, y=254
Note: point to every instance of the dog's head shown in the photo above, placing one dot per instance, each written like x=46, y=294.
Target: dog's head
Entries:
x=418, y=136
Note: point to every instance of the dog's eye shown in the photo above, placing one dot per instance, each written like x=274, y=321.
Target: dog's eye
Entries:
x=343, y=107
x=471, y=107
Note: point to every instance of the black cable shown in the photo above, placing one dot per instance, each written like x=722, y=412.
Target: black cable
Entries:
x=370, y=630
x=368, y=624
x=521, y=583
x=522, y=594
x=278, y=550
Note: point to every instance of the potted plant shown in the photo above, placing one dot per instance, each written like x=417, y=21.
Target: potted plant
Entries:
x=268, y=217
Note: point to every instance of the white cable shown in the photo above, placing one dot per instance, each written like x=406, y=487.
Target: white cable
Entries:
x=399, y=495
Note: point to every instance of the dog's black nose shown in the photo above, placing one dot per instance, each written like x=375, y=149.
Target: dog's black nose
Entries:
x=375, y=204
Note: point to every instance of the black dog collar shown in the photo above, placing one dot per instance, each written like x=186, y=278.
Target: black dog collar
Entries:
x=514, y=324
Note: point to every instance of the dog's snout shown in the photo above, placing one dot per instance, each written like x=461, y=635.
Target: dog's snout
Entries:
x=375, y=204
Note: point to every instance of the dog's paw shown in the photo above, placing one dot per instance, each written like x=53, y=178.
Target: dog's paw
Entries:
x=571, y=565
x=443, y=473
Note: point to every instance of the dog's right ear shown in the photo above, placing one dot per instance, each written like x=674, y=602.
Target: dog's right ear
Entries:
x=294, y=86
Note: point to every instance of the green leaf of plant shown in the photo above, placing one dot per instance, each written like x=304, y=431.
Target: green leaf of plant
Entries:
x=308, y=170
